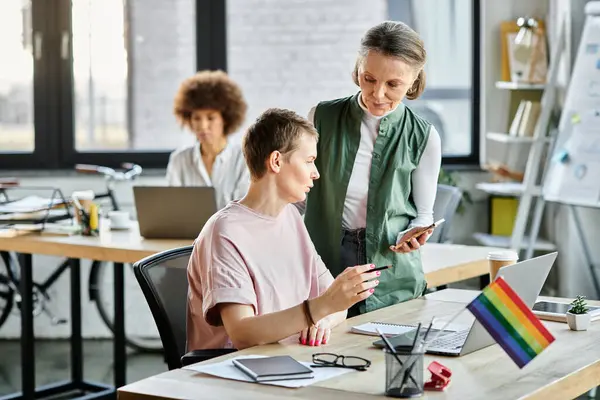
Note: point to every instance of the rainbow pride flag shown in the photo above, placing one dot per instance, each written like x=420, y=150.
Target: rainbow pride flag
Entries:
x=510, y=322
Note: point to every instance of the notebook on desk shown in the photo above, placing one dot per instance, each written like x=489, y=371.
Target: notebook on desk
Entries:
x=388, y=329
x=273, y=368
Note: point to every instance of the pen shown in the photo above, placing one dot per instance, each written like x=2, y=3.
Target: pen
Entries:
x=427, y=333
x=380, y=268
x=376, y=269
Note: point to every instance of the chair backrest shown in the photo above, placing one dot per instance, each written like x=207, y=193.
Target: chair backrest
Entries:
x=163, y=280
x=446, y=203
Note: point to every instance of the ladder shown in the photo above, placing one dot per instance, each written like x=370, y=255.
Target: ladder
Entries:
x=529, y=191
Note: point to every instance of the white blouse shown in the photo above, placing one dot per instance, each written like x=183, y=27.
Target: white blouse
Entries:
x=230, y=176
x=424, y=178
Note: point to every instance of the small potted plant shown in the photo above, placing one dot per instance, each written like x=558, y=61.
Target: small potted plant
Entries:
x=577, y=316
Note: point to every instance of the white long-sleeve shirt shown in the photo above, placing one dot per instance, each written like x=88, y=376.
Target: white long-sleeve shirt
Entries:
x=230, y=176
x=424, y=177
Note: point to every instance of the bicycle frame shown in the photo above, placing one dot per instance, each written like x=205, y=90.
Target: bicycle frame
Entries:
x=132, y=171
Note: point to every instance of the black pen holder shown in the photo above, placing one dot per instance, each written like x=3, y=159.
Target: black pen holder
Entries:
x=404, y=374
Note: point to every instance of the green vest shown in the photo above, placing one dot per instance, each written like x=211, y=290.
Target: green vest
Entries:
x=398, y=148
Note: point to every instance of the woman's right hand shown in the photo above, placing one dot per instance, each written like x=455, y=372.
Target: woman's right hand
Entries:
x=351, y=286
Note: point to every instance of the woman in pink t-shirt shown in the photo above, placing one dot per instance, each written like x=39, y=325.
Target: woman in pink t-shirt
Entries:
x=254, y=276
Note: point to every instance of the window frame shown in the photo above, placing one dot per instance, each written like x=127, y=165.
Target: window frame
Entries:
x=54, y=123
x=53, y=98
x=44, y=124
x=473, y=159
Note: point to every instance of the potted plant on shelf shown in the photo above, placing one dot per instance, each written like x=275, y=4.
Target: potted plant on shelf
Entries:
x=578, y=317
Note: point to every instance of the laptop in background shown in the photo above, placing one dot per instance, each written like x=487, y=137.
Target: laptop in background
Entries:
x=526, y=278
x=169, y=212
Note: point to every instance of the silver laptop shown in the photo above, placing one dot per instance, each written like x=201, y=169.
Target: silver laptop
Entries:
x=526, y=278
x=167, y=212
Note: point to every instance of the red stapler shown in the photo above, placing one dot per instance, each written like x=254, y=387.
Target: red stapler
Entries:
x=440, y=377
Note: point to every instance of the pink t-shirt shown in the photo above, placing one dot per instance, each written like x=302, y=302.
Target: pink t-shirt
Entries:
x=245, y=257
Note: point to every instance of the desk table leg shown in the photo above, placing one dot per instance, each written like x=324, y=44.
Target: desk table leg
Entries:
x=76, y=339
x=119, y=344
x=27, y=334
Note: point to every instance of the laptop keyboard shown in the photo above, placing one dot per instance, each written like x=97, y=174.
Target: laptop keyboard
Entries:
x=451, y=341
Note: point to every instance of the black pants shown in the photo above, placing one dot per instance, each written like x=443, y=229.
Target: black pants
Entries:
x=353, y=252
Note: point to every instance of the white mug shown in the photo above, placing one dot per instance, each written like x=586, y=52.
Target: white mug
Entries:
x=119, y=219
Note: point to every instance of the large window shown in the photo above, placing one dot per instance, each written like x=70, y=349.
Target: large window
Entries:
x=16, y=77
x=296, y=53
x=93, y=80
x=448, y=28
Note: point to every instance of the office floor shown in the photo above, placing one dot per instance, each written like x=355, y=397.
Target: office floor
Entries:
x=52, y=364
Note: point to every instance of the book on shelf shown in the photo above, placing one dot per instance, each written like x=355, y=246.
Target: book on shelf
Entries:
x=525, y=119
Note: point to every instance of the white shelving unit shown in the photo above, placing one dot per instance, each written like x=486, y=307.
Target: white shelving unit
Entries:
x=519, y=86
x=529, y=192
x=504, y=241
x=501, y=137
x=515, y=189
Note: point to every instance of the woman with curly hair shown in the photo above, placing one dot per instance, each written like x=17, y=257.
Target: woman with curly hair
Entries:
x=212, y=106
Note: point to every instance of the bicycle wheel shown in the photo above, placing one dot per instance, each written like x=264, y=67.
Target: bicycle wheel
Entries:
x=6, y=291
x=140, y=329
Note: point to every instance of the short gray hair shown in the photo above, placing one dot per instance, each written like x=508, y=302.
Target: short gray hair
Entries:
x=398, y=40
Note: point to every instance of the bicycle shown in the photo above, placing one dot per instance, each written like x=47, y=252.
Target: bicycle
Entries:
x=99, y=282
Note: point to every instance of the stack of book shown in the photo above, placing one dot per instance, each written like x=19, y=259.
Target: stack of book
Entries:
x=525, y=119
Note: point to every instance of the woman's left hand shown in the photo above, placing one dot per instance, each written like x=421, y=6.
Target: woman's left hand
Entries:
x=404, y=246
x=316, y=335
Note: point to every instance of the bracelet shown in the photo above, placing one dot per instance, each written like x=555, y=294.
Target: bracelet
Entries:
x=307, y=314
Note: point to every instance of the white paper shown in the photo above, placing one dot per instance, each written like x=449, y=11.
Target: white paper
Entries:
x=28, y=204
x=227, y=370
x=578, y=179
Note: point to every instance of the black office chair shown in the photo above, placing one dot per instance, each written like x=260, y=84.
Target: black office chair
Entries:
x=163, y=280
x=446, y=203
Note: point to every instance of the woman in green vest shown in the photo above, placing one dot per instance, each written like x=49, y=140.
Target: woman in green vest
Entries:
x=379, y=165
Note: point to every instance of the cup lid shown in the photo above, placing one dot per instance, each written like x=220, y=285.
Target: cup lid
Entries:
x=84, y=195
x=503, y=255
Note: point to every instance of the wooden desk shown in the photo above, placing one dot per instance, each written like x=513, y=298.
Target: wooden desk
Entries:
x=118, y=247
x=568, y=368
x=450, y=263
x=442, y=263
x=115, y=246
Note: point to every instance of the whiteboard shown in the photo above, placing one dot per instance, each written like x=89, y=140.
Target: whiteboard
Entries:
x=573, y=175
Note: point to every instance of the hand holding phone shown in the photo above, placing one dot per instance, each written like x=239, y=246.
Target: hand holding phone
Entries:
x=415, y=233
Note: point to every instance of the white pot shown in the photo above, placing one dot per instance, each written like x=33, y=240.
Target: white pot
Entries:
x=578, y=322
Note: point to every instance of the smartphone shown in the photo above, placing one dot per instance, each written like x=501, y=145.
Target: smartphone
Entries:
x=423, y=230
x=551, y=307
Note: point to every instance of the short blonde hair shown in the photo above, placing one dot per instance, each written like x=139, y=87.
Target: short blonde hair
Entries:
x=276, y=129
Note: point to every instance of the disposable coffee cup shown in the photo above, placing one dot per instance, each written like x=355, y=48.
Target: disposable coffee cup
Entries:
x=83, y=199
x=499, y=259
